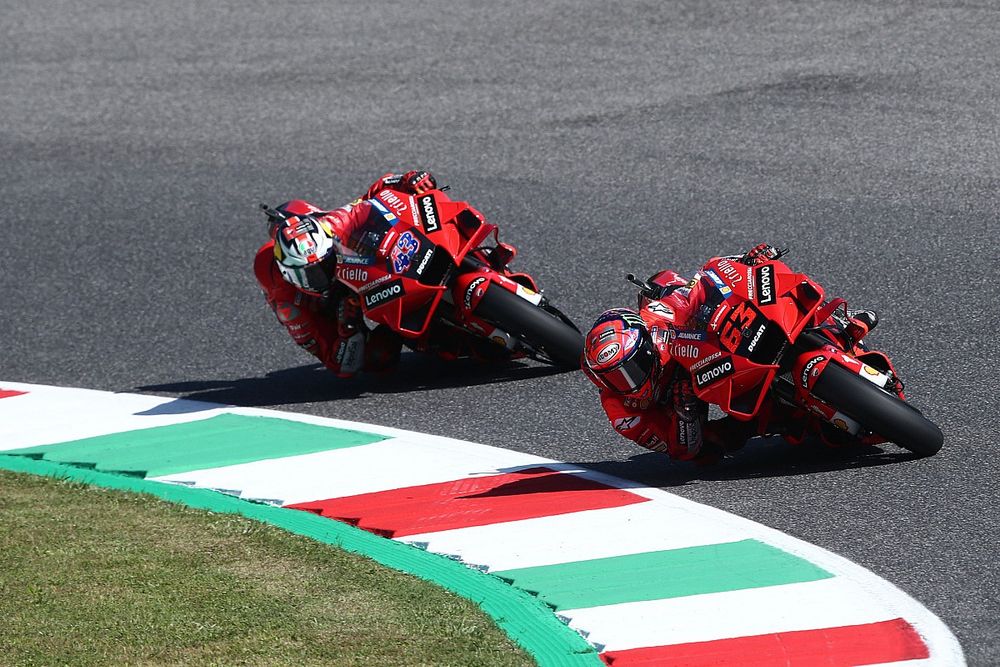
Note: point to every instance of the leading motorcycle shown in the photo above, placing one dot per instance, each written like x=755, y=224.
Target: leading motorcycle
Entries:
x=766, y=338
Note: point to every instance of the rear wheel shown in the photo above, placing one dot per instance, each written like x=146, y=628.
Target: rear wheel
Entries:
x=546, y=331
x=878, y=411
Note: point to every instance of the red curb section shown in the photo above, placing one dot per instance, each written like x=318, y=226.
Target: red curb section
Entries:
x=7, y=393
x=471, y=501
x=874, y=643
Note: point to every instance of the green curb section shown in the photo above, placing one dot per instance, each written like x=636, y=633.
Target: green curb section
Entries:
x=656, y=575
x=223, y=440
x=523, y=617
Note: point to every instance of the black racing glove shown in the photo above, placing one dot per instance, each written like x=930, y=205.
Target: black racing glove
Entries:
x=760, y=253
x=418, y=182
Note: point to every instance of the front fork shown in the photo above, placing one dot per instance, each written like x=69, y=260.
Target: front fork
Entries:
x=467, y=291
x=813, y=354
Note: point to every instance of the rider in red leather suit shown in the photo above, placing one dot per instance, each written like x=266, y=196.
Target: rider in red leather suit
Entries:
x=648, y=397
x=327, y=320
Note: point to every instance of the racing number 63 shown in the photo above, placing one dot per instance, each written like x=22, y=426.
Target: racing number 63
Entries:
x=732, y=330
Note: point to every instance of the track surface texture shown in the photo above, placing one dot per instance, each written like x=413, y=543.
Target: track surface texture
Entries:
x=603, y=138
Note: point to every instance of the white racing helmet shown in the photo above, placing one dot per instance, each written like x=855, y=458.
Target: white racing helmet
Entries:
x=305, y=253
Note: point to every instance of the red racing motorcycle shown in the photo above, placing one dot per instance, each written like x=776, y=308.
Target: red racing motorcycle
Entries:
x=422, y=261
x=767, y=335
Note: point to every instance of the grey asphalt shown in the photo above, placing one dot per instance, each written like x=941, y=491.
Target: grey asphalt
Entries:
x=138, y=137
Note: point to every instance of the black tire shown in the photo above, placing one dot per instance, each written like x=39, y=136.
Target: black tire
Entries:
x=560, y=342
x=878, y=411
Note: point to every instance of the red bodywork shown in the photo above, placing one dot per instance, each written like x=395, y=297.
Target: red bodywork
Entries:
x=755, y=315
x=406, y=260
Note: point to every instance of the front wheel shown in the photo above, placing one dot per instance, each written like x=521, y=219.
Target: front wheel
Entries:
x=556, y=338
x=878, y=411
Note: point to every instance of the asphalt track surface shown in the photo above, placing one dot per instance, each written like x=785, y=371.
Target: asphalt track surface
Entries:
x=138, y=137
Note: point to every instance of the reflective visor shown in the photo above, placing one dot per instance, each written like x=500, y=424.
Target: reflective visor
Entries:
x=316, y=277
x=631, y=374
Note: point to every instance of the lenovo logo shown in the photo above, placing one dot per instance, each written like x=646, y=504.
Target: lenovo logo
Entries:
x=429, y=218
x=383, y=295
x=714, y=373
x=765, y=285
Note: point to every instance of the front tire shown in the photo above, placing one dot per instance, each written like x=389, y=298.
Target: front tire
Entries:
x=878, y=411
x=559, y=341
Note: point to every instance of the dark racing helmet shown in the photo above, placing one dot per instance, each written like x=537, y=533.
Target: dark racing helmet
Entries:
x=305, y=253
x=620, y=354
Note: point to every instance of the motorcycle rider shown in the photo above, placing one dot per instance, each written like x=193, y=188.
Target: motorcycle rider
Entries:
x=297, y=270
x=648, y=397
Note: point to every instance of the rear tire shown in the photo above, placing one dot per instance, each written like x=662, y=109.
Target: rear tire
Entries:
x=878, y=411
x=560, y=342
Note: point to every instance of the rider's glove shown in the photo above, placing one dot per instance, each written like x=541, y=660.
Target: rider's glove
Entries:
x=350, y=319
x=418, y=182
x=352, y=332
x=762, y=252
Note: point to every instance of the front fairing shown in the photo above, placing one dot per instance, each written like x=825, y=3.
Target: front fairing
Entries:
x=402, y=259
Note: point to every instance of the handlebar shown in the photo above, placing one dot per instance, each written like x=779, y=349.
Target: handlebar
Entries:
x=648, y=290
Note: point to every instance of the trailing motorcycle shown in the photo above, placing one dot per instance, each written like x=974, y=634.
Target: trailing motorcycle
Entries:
x=422, y=260
x=767, y=339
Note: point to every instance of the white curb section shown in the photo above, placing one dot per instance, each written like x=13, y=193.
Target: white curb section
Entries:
x=50, y=415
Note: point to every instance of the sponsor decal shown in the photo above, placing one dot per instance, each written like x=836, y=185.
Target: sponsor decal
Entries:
x=630, y=339
x=387, y=242
x=424, y=262
x=730, y=271
x=808, y=367
x=500, y=340
x=764, y=275
x=689, y=334
x=689, y=434
x=637, y=403
x=377, y=281
x=470, y=290
x=869, y=370
x=659, y=309
x=351, y=273
x=607, y=333
x=633, y=320
x=608, y=353
x=392, y=201
x=840, y=423
x=756, y=337
x=389, y=216
x=714, y=277
x=712, y=374
x=717, y=317
x=653, y=441
x=403, y=251
x=706, y=361
x=429, y=218
x=626, y=423
x=286, y=312
x=357, y=260
x=383, y=295
x=685, y=350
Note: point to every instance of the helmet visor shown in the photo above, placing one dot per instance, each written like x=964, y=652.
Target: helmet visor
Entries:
x=630, y=375
x=315, y=277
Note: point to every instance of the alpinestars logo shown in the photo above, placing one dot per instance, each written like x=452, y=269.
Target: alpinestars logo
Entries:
x=765, y=285
x=383, y=295
x=429, y=218
x=714, y=373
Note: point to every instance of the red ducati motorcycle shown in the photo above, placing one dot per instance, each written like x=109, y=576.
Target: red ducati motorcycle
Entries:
x=767, y=335
x=421, y=261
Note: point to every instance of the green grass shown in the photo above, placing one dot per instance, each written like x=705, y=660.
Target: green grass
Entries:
x=95, y=577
